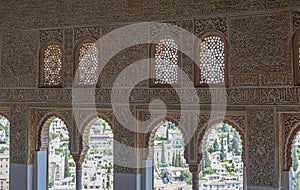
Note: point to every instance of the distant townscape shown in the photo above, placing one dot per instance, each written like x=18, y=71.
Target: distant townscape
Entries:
x=221, y=167
x=296, y=164
x=170, y=168
x=97, y=169
x=4, y=153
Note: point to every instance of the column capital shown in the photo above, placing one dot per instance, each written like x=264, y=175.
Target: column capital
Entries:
x=194, y=168
x=78, y=159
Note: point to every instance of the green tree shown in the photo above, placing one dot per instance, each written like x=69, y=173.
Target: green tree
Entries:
x=228, y=142
x=208, y=171
x=295, y=159
x=180, y=161
x=173, y=159
x=206, y=161
x=67, y=169
x=297, y=181
x=163, y=159
x=186, y=176
x=235, y=142
x=167, y=133
x=216, y=145
x=210, y=149
x=52, y=136
x=222, y=154
x=176, y=160
x=224, y=127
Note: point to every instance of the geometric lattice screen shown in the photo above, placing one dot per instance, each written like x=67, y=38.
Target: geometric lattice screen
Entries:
x=166, y=62
x=212, y=60
x=88, y=64
x=52, y=65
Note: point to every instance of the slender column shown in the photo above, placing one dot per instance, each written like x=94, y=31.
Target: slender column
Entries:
x=40, y=168
x=195, y=176
x=78, y=161
x=147, y=180
x=78, y=178
x=286, y=180
x=195, y=180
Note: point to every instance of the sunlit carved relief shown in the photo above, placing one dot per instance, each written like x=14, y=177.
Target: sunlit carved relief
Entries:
x=212, y=60
x=166, y=62
x=88, y=64
x=52, y=65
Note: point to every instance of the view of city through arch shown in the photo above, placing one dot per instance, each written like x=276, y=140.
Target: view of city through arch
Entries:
x=221, y=166
x=97, y=168
x=295, y=170
x=4, y=153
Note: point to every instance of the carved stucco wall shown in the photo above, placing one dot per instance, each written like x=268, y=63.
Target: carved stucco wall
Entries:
x=259, y=37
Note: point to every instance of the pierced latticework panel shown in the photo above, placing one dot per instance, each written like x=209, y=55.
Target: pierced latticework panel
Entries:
x=88, y=64
x=212, y=60
x=298, y=55
x=52, y=65
x=166, y=62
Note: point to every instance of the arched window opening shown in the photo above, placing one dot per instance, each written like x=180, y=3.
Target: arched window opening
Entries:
x=61, y=166
x=51, y=65
x=212, y=60
x=97, y=168
x=4, y=152
x=166, y=62
x=170, y=168
x=87, y=63
x=295, y=170
x=222, y=165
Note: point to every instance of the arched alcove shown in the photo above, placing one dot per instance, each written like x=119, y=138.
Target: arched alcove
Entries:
x=221, y=158
x=295, y=169
x=202, y=136
x=97, y=168
x=291, y=155
x=4, y=152
x=170, y=169
x=61, y=166
x=206, y=127
x=54, y=143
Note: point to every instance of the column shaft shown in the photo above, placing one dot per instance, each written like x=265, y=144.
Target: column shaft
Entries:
x=195, y=180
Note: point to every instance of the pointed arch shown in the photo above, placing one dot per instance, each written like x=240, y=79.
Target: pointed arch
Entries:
x=43, y=134
x=149, y=137
x=86, y=126
x=98, y=151
x=168, y=155
x=207, y=127
x=288, y=160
